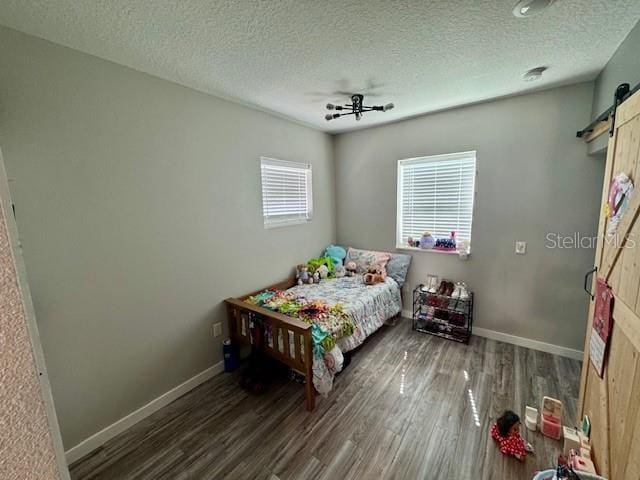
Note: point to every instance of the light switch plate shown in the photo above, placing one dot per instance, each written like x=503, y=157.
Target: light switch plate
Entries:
x=217, y=329
x=521, y=247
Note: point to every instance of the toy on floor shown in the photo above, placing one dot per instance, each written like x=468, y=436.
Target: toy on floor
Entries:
x=375, y=274
x=531, y=418
x=506, y=431
x=571, y=440
x=585, y=446
x=581, y=464
x=551, y=418
x=565, y=470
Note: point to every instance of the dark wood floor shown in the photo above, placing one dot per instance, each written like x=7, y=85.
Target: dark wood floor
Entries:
x=410, y=406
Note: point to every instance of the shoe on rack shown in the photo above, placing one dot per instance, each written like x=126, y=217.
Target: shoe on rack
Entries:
x=464, y=291
x=449, y=289
x=432, y=283
x=456, y=291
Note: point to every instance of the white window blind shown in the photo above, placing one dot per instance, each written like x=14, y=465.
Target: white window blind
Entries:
x=436, y=194
x=286, y=192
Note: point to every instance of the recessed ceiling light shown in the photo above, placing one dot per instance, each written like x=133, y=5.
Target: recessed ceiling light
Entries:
x=533, y=74
x=529, y=8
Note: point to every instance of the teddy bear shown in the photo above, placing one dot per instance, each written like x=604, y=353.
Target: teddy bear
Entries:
x=302, y=274
x=375, y=274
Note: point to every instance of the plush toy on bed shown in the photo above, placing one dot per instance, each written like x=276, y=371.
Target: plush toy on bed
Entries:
x=340, y=271
x=351, y=268
x=336, y=253
x=375, y=274
x=323, y=271
x=315, y=264
x=302, y=274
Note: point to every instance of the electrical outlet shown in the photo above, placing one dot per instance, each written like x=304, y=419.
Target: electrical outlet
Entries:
x=521, y=247
x=217, y=329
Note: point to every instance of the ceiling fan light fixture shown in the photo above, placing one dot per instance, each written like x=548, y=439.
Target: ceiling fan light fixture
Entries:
x=529, y=8
x=355, y=108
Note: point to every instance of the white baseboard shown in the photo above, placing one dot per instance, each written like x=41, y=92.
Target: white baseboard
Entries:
x=520, y=341
x=106, y=434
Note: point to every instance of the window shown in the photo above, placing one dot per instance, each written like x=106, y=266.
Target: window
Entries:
x=286, y=192
x=435, y=194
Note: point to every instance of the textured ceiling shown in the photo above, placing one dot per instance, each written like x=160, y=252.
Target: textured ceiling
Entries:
x=291, y=56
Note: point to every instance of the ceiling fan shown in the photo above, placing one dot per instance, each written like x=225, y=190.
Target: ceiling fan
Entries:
x=356, y=107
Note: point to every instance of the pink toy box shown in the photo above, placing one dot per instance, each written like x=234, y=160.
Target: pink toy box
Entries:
x=551, y=418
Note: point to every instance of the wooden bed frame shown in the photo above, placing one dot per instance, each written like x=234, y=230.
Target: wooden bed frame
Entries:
x=291, y=343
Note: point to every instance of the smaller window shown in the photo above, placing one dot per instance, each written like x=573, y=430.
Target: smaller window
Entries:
x=435, y=194
x=286, y=192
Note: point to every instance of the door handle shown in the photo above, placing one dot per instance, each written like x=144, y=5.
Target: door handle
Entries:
x=586, y=280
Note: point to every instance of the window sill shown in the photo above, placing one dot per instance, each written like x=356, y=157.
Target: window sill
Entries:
x=427, y=250
x=286, y=223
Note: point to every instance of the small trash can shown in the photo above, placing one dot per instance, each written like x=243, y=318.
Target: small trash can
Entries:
x=230, y=354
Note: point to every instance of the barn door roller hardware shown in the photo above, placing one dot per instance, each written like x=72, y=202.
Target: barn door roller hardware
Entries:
x=596, y=127
x=620, y=96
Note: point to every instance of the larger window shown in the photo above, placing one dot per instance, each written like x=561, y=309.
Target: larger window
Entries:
x=286, y=192
x=435, y=194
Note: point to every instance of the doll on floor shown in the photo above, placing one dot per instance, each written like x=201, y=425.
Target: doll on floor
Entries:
x=506, y=432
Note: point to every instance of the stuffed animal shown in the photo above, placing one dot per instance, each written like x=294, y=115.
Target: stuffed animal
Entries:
x=302, y=274
x=336, y=254
x=375, y=274
x=323, y=271
x=340, y=271
x=315, y=263
x=427, y=241
x=316, y=277
x=351, y=268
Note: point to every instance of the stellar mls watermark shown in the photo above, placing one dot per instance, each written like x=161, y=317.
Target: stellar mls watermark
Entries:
x=577, y=240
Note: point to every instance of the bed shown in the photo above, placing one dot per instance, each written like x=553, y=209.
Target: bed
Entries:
x=294, y=342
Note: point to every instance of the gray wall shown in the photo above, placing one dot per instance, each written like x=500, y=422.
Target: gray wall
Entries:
x=139, y=210
x=534, y=177
x=623, y=67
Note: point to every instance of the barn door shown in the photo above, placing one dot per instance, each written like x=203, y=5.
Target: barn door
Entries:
x=613, y=402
